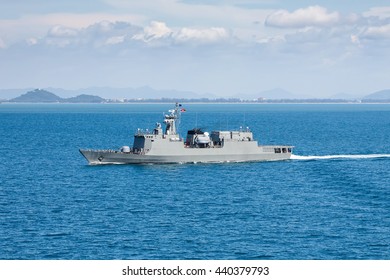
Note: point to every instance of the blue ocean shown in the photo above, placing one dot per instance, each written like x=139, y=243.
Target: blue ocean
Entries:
x=330, y=201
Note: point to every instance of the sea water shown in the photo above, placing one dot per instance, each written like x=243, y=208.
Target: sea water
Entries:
x=330, y=201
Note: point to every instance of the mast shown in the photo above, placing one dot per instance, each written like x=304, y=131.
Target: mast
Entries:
x=172, y=120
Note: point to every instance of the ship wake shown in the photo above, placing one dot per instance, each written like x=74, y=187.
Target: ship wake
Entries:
x=369, y=156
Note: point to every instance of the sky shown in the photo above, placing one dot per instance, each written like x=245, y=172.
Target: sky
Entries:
x=224, y=47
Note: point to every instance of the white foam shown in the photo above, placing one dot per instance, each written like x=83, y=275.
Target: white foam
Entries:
x=297, y=157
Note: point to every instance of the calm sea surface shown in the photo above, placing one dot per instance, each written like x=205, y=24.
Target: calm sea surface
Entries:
x=331, y=201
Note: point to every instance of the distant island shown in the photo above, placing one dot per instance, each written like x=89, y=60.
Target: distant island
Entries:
x=45, y=96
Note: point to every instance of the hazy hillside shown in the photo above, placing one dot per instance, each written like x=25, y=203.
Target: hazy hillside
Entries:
x=37, y=95
x=85, y=98
x=379, y=95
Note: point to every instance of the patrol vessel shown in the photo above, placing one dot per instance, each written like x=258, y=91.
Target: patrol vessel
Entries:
x=166, y=146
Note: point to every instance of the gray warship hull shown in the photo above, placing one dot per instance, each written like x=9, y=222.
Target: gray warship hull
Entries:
x=190, y=155
x=167, y=146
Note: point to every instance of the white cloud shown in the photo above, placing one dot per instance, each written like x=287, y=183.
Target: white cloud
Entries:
x=60, y=36
x=158, y=33
x=201, y=36
x=155, y=31
x=105, y=33
x=115, y=40
x=31, y=25
x=310, y=16
x=272, y=40
x=231, y=15
x=96, y=35
x=62, y=31
x=379, y=12
x=377, y=32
